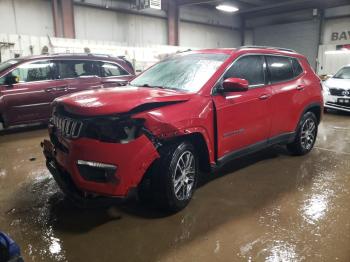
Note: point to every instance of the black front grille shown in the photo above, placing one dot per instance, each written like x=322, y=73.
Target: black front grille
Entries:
x=339, y=92
x=68, y=127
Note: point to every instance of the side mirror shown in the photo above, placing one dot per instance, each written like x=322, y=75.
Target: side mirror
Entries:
x=235, y=85
x=10, y=80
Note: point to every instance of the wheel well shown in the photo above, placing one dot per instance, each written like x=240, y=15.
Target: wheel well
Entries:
x=316, y=110
x=200, y=145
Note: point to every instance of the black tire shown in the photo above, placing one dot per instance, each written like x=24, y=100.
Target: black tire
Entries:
x=168, y=172
x=4, y=253
x=305, y=136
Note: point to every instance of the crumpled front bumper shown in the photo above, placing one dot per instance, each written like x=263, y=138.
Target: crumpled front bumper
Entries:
x=131, y=160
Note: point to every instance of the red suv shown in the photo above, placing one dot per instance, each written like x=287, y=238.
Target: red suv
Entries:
x=29, y=85
x=194, y=111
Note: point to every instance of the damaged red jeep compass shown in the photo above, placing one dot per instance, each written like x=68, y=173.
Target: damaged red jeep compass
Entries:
x=194, y=111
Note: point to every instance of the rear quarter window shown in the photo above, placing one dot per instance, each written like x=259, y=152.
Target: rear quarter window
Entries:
x=298, y=70
x=280, y=68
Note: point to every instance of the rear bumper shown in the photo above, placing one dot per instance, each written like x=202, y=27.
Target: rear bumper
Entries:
x=131, y=161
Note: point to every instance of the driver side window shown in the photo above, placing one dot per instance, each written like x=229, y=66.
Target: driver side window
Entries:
x=250, y=68
x=30, y=72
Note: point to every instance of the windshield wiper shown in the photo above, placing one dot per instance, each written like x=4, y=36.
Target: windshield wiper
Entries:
x=147, y=85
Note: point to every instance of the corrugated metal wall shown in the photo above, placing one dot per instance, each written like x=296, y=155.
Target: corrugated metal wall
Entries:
x=300, y=36
x=203, y=36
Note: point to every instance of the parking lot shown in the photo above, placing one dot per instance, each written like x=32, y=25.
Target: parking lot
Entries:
x=258, y=208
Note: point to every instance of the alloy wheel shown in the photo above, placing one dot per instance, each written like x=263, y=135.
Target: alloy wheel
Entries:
x=184, y=176
x=308, y=134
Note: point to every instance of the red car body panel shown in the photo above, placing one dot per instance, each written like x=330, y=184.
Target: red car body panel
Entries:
x=134, y=159
x=29, y=102
x=104, y=101
x=226, y=123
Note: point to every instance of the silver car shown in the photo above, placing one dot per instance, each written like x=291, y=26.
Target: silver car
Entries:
x=336, y=90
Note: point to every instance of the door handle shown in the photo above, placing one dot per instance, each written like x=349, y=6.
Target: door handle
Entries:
x=264, y=96
x=300, y=87
x=57, y=88
x=61, y=88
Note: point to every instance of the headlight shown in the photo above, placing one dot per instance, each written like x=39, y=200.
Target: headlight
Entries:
x=113, y=130
x=326, y=89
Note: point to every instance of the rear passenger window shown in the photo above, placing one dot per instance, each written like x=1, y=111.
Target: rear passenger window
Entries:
x=250, y=68
x=280, y=68
x=109, y=69
x=296, y=67
x=72, y=69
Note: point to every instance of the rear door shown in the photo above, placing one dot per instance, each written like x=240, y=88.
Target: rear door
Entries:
x=288, y=87
x=29, y=99
x=112, y=74
x=243, y=118
x=79, y=75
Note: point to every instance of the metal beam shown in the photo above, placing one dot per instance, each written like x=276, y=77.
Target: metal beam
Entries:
x=57, y=22
x=173, y=23
x=68, y=18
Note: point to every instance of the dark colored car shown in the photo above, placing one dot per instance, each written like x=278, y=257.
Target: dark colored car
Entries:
x=28, y=85
x=194, y=111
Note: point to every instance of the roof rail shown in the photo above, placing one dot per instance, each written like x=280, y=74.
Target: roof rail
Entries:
x=268, y=47
x=82, y=54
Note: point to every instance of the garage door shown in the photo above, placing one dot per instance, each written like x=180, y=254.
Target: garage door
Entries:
x=301, y=36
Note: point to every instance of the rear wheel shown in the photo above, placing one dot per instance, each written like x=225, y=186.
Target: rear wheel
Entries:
x=306, y=135
x=177, y=176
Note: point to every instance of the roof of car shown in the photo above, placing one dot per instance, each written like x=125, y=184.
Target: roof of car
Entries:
x=72, y=56
x=252, y=49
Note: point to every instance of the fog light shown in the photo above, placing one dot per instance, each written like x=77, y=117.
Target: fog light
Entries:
x=97, y=172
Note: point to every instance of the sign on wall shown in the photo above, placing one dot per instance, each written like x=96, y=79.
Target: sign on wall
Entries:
x=337, y=31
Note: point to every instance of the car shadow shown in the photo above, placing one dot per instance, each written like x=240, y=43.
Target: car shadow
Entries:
x=23, y=129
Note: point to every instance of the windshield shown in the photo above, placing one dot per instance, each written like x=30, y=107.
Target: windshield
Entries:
x=343, y=73
x=187, y=72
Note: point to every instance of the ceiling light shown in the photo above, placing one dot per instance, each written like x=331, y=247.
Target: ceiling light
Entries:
x=227, y=8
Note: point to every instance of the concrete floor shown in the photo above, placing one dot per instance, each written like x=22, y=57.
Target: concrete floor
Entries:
x=266, y=207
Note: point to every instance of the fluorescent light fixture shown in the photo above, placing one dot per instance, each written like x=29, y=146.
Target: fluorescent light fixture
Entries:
x=227, y=8
x=337, y=52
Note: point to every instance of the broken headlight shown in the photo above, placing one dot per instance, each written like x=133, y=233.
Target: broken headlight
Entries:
x=114, y=130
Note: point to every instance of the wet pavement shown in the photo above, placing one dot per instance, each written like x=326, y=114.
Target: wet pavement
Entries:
x=266, y=207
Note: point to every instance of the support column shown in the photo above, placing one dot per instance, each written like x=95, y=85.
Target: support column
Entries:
x=68, y=18
x=173, y=22
x=242, y=31
x=63, y=18
x=57, y=23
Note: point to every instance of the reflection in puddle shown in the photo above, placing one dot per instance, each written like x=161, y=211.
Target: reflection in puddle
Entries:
x=315, y=208
x=2, y=173
x=282, y=251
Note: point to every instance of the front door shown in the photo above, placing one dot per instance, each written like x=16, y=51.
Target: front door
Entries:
x=29, y=99
x=243, y=118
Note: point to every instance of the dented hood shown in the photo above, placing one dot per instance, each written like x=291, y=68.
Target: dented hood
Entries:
x=119, y=100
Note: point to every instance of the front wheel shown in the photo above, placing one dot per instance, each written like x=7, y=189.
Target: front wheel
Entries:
x=305, y=136
x=177, y=176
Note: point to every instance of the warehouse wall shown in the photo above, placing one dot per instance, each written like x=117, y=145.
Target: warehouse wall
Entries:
x=204, y=36
x=133, y=30
x=30, y=17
